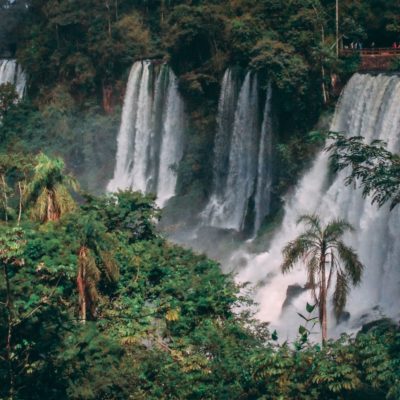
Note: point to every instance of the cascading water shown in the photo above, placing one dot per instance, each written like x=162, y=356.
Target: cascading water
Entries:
x=150, y=140
x=241, y=156
x=262, y=200
x=11, y=72
x=171, y=139
x=370, y=107
x=225, y=120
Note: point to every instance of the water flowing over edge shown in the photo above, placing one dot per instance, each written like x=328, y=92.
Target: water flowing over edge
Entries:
x=369, y=106
x=151, y=135
x=242, y=169
x=11, y=72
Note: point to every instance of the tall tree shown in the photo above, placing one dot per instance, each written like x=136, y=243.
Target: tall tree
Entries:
x=49, y=189
x=96, y=261
x=326, y=256
x=11, y=250
x=15, y=169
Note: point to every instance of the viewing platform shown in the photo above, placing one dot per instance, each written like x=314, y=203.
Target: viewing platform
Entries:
x=374, y=59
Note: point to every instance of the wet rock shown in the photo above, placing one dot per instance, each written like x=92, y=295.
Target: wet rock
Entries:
x=292, y=292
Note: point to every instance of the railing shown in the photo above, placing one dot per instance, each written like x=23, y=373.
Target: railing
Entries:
x=376, y=59
x=383, y=51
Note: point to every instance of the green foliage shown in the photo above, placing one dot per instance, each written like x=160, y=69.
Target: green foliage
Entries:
x=293, y=156
x=80, y=46
x=126, y=212
x=48, y=189
x=287, y=69
x=198, y=33
x=163, y=322
x=8, y=98
x=325, y=256
x=244, y=32
x=372, y=166
x=84, y=138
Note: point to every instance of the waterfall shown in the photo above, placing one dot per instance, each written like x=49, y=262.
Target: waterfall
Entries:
x=11, y=72
x=171, y=140
x=225, y=120
x=370, y=107
x=241, y=156
x=262, y=200
x=150, y=139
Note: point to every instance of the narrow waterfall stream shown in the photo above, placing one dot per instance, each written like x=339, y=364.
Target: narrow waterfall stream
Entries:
x=150, y=140
x=370, y=107
x=11, y=72
x=262, y=200
x=242, y=156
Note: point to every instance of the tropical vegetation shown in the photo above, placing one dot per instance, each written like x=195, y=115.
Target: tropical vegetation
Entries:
x=327, y=260
x=373, y=167
x=95, y=303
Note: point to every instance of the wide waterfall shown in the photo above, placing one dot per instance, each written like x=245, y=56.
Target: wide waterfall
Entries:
x=370, y=107
x=150, y=140
x=242, y=155
x=11, y=72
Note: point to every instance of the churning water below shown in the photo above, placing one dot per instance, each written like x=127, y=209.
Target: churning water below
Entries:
x=150, y=142
x=370, y=107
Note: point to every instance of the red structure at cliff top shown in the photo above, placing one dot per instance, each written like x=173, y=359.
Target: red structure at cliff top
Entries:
x=376, y=59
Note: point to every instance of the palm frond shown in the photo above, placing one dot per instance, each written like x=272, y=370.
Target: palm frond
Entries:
x=294, y=251
x=39, y=209
x=312, y=273
x=64, y=200
x=111, y=268
x=312, y=221
x=49, y=175
x=72, y=183
x=91, y=274
x=336, y=229
x=340, y=294
x=351, y=264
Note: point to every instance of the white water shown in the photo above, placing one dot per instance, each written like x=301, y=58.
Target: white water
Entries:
x=264, y=171
x=241, y=156
x=225, y=120
x=11, y=72
x=150, y=140
x=171, y=141
x=369, y=106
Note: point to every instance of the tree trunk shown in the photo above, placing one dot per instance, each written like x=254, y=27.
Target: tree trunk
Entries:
x=324, y=91
x=337, y=28
x=10, y=369
x=107, y=4
x=5, y=197
x=322, y=299
x=53, y=213
x=107, y=98
x=81, y=283
x=162, y=10
x=20, y=203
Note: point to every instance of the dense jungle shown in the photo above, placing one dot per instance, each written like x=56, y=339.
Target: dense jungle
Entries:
x=167, y=167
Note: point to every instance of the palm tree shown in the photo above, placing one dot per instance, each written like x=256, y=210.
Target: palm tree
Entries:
x=96, y=261
x=49, y=189
x=325, y=255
